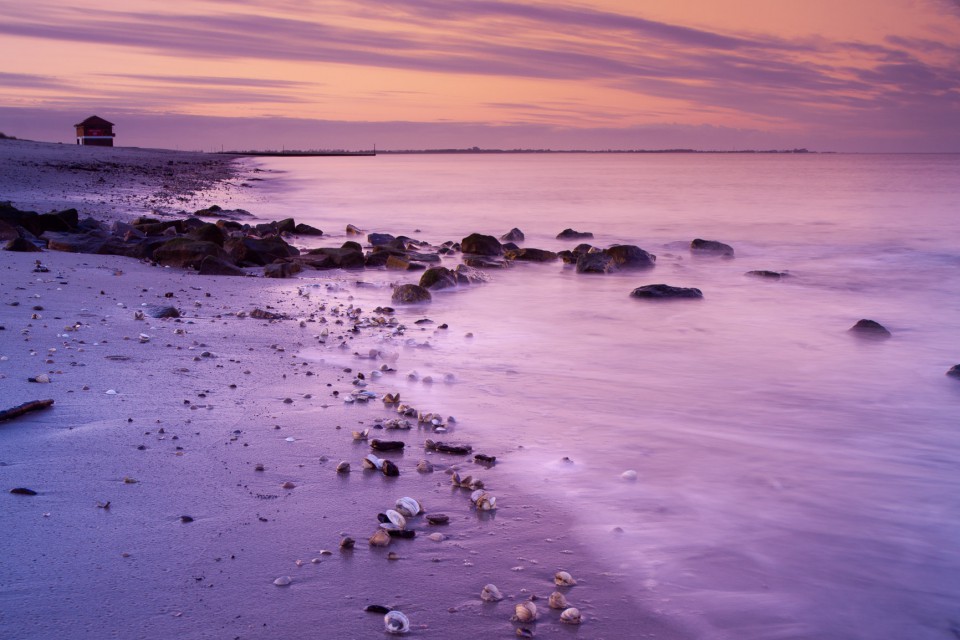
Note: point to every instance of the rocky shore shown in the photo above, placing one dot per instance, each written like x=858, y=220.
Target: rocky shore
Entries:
x=195, y=477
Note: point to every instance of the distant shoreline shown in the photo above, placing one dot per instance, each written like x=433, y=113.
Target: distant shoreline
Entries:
x=479, y=151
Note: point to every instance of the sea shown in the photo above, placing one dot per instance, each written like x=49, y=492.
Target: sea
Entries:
x=791, y=480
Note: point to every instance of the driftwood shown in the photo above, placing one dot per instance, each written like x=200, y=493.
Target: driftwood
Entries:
x=26, y=407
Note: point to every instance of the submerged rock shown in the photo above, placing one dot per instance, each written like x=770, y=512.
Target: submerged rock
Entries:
x=666, y=292
x=628, y=256
x=481, y=245
x=711, y=248
x=595, y=262
x=531, y=255
x=954, y=371
x=514, y=235
x=410, y=294
x=438, y=278
x=187, y=253
x=570, y=234
x=768, y=275
x=870, y=329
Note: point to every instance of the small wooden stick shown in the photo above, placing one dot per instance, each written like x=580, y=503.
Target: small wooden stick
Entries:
x=7, y=414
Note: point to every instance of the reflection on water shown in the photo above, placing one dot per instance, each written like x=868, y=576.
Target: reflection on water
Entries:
x=793, y=481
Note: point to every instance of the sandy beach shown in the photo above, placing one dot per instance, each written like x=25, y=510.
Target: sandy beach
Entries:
x=188, y=463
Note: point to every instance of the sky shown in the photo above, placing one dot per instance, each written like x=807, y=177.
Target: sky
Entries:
x=827, y=75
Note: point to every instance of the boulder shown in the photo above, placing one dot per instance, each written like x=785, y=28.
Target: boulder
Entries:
x=380, y=239
x=628, y=256
x=353, y=230
x=402, y=264
x=570, y=234
x=711, y=248
x=287, y=225
x=870, y=329
x=334, y=258
x=468, y=275
x=76, y=242
x=596, y=262
x=954, y=371
x=22, y=245
x=483, y=262
x=438, y=278
x=514, y=235
x=306, y=230
x=531, y=255
x=282, y=270
x=481, y=245
x=410, y=294
x=162, y=311
x=8, y=231
x=187, y=252
x=768, y=275
x=211, y=266
x=208, y=232
x=666, y=292
x=250, y=251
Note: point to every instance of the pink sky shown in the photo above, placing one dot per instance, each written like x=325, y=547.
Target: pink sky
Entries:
x=849, y=75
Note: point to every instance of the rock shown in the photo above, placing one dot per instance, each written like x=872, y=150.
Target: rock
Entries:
x=438, y=278
x=208, y=232
x=380, y=239
x=468, y=275
x=666, y=292
x=252, y=251
x=282, y=269
x=769, y=275
x=287, y=225
x=954, y=371
x=514, y=235
x=353, y=230
x=410, y=294
x=870, y=329
x=598, y=262
x=212, y=266
x=628, y=256
x=346, y=257
x=400, y=264
x=306, y=230
x=187, y=252
x=481, y=245
x=21, y=245
x=162, y=311
x=570, y=234
x=711, y=248
x=75, y=242
x=483, y=262
x=531, y=255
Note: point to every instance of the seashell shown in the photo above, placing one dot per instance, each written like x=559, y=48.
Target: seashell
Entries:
x=455, y=479
x=483, y=500
x=524, y=632
x=346, y=543
x=377, y=608
x=372, y=462
x=557, y=601
x=437, y=518
x=288, y=485
x=436, y=537
x=563, y=579
x=425, y=466
x=409, y=507
x=490, y=593
x=380, y=538
x=343, y=467
x=526, y=611
x=389, y=468
x=396, y=518
x=466, y=482
x=571, y=616
x=396, y=623
x=629, y=475
x=361, y=435
x=391, y=398
x=283, y=581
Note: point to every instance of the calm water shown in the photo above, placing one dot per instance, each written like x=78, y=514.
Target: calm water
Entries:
x=793, y=482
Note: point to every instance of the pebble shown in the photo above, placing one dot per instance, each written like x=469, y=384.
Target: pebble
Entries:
x=283, y=581
x=629, y=475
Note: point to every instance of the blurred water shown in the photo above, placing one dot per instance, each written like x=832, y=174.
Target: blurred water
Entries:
x=794, y=482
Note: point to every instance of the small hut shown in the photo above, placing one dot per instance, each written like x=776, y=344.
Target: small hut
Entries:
x=95, y=131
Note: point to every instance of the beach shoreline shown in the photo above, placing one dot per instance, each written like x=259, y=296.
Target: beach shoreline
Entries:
x=159, y=418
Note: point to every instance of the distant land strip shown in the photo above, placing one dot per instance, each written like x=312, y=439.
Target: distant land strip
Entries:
x=478, y=150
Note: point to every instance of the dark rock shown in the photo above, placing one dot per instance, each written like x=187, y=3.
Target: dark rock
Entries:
x=481, y=245
x=211, y=266
x=380, y=239
x=483, y=262
x=353, y=230
x=386, y=445
x=8, y=231
x=22, y=245
x=954, y=371
x=162, y=311
x=870, y=329
x=390, y=469
x=514, y=235
x=306, y=230
x=438, y=278
x=596, y=262
x=282, y=269
x=509, y=246
x=400, y=264
x=335, y=257
x=769, y=275
x=628, y=256
x=448, y=447
x=261, y=314
x=159, y=228
x=352, y=246
x=229, y=225
x=76, y=242
x=418, y=256
x=376, y=259
x=251, y=251
x=410, y=294
x=287, y=225
x=468, y=275
x=187, y=252
x=711, y=248
x=23, y=491
x=211, y=211
x=208, y=232
x=666, y=292
x=531, y=255
x=570, y=234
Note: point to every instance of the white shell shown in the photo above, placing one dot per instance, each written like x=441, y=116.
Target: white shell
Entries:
x=629, y=476
x=563, y=579
x=490, y=593
x=571, y=616
x=526, y=611
x=557, y=601
x=283, y=581
x=483, y=500
x=396, y=622
x=396, y=518
x=409, y=507
x=372, y=462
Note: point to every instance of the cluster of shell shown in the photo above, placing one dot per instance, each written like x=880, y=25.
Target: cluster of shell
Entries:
x=526, y=612
x=359, y=396
x=428, y=419
x=466, y=482
x=393, y=522
x=387, y=467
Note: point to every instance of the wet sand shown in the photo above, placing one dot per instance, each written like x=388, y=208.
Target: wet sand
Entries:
x=175, y=423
